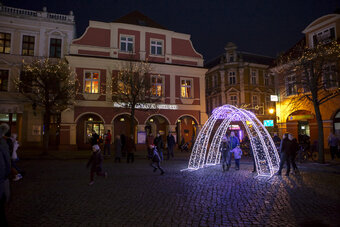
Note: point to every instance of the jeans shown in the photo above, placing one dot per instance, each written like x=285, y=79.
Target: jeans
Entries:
x=107, y=148
x=237, y=163
x=284, y=158
x=158, y=166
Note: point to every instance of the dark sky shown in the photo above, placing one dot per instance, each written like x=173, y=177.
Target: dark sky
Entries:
x=265, y=27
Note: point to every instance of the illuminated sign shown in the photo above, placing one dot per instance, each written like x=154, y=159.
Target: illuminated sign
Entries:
x=234, y=127
x=274, y=98
x=300, y=117
x=268, y=123
x=147, y=106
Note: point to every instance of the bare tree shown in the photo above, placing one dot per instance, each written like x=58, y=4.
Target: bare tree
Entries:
x=311, y=76
x=50, y=85
x=132, y=89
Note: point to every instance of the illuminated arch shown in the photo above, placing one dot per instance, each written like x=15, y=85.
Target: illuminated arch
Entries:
x=85, y=113
x=124, y=113
x=266, y=157
x=186, y=115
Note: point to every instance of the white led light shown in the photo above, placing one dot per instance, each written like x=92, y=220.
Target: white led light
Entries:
x=266, y=156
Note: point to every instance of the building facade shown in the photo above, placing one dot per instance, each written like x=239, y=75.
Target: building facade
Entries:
x=301, y=120
x=241, y=79
x=26, y=35
x=177, y=76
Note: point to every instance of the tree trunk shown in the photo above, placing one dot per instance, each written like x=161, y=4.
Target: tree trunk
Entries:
x=321, y=158
x=132, y=121
x=46, y=137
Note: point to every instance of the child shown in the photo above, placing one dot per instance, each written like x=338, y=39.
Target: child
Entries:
x=155, y=158
x=237, y=156
x=96, y=161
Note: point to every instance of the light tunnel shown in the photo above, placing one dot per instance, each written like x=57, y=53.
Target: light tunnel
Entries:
x=210, y=138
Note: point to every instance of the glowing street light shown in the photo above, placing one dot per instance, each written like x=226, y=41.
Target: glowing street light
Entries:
x=271, y=110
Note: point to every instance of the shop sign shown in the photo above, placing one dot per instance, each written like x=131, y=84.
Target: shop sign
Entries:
x=274, y=98
x=268, y=123
x=300, y=117
x=234, y=127
x=147, y=106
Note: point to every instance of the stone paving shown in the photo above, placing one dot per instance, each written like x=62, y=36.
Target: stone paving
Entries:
x=55, y=193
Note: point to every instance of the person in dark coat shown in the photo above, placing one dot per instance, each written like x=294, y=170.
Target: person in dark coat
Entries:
x=5, y=169
x=158, y=142
x=118, y=149
x=285, y=150
x=149, y=141
x=155, y=158
x=225, y=153
x=130, y=149
x=94, y=139
x=171, y=144
x=107, y=143
x=96, y=162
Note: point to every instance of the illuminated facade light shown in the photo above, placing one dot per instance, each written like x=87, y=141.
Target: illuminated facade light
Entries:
x=122, y=119
x=271, y=110
x=90, y=119
x=151, y=120
x=206, y=153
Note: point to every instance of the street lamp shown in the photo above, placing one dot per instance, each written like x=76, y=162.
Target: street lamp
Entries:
x=271, y=110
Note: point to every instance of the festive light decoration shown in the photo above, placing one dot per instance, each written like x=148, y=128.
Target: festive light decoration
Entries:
x=210, y=138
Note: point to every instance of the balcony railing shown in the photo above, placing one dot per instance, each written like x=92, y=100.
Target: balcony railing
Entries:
x=38, y=14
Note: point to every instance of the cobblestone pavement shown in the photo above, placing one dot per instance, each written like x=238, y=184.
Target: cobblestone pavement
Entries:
x=55, y=193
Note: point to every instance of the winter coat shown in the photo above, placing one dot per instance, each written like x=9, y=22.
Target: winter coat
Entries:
x=224, y=148
x=94, y=139
x=286, y=146
x=118, y=148
x=158, y=142
x=155, y=156
x=171, y=141
x=130, y=146
x=96, y=161
x=108, y=138
x=237, y=152
x=234, y=142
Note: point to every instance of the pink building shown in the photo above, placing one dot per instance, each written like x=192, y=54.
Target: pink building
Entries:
x=176, y=71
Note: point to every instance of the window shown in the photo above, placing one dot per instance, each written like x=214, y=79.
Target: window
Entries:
x=186, y=86
x=5, y=43
x=55, y=48
x=232, y=77
x=4, y=80
x=156, y=47
x=233, y=100
x=215, y=80
x=91, y=82
x=231, y=56
x=266, y=79
x=28, y=45
x=268, y=102
x=126, y=43
x=157, y=86
x=329, y=78
x=253, y=77
x=324, y=36
x=291, y=88
x=255, y=100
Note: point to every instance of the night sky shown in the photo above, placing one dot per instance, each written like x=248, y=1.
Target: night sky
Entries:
x=265, y=27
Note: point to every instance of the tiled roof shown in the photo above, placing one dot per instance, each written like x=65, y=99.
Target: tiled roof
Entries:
x=137, y=18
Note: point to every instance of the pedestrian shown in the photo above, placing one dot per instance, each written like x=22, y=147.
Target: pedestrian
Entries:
x=234, y=143
x=285, y=150
x=122, y=140
x=130, y=149
x=277, y=141
x=118, y=149
x=225, y=153
x=294, y=151
x=155, y=158
x=5, y=169
x=96, y=162
x=14, y=157
x=171, y=144
x=107, y=143
x=237, y=156
x=149, y=141
x=333, y=142
x=182, y=144
x=158, y=142
x=94, y=139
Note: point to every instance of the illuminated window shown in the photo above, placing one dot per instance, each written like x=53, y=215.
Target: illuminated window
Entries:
x=4, y=80
x=91, y=82
x=5, y=43
x=253, y=77
x=28, y=45
x=232, y=77
x=126, y=43
x=55, y=48
x=186, y=86
x=157, y=86
x=156, y=47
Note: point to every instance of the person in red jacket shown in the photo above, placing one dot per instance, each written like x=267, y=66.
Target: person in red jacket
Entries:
x=107, y=144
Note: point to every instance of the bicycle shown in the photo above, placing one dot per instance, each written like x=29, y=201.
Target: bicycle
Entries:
x=304, y=154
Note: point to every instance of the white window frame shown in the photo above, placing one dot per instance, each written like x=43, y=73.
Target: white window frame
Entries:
x=162, y=84
x=35, y=43
x=84, y=80
x=191, y=96
x=127, y=43
x=254, y=74
x=157, y=45
x=62, y=44
x=231, y=74
x=11, y=32
x=321, y=33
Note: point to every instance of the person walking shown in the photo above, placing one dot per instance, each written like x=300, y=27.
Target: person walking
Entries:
x=237, y=156
x=225, y=153
x=171, y=144
x=118, y=149
x=96, y=162
x=234, y=142
x=94, y=139
x=130, y=149
x=5, y=170
x=155, y=158
x=107, y=143
x=285, y=150
x=158, y=142
x=333, y=142
x=149, y=141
